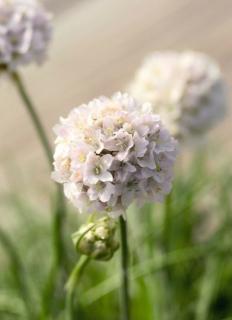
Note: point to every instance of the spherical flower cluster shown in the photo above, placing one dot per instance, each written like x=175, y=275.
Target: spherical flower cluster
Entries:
x=96, y=239
x=25, y=31
x=111, y=152
x=186, y=89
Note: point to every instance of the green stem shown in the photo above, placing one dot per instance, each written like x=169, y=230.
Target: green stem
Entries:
x=167, y=222
x=125, y=301
x=33, y=115
x=167, y=244
x=72, y=284
x=59, y=210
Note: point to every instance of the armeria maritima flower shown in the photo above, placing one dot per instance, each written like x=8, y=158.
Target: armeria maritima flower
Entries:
x=25, y=31
x=111, y=152
x=186, y=89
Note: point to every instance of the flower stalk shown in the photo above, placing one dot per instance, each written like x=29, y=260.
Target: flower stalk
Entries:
x=33, y=115
x=167, y=222
x=72, y=284
x=125, y=301
x=59, y=210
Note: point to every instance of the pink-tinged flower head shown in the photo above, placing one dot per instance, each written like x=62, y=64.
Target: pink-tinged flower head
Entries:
x=186, y=89
x=25, y=32
x=111, y=152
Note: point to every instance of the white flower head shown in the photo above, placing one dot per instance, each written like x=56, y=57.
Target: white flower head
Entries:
x=111, y=152
x=186, y=89
x=25, y=32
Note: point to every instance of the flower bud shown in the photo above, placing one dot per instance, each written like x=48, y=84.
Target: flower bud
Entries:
x=96, y=240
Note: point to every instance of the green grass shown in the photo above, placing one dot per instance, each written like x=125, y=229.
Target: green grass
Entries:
x=180, y=256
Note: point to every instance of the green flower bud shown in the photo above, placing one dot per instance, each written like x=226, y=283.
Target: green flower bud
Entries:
x=96, y=240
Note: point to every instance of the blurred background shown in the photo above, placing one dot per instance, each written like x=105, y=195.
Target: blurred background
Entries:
x=97, y=46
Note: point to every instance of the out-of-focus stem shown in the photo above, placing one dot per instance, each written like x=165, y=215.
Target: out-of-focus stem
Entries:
x=167, y=222
x=125, y=301
x=72, y=284
x=33, y=115
x=59, y=210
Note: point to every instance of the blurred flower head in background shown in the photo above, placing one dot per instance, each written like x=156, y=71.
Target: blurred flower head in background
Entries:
x=111, y=152
x=186, y=89
x=25, y=32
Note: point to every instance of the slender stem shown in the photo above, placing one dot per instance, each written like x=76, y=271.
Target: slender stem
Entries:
x=33, y=115
x=59, y=210
x=72, y=284
x=125, y=302
x=167, y=229
x=167, y=222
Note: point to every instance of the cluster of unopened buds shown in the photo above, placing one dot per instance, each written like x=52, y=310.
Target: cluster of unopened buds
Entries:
x=97, y=239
